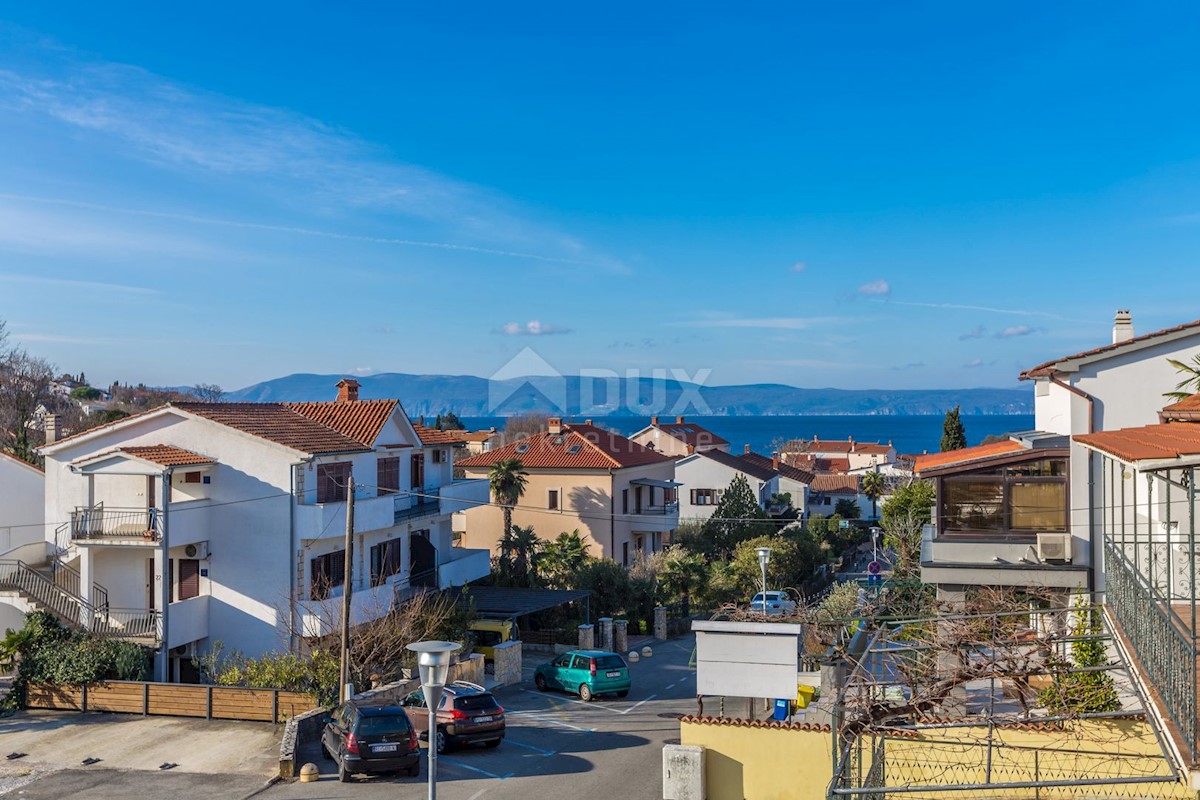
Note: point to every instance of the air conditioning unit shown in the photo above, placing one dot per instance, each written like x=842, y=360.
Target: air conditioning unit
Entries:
x=198, y=550
x=1054, y=547
x=184, y=650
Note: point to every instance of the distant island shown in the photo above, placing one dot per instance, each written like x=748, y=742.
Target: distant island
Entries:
x=470, y=396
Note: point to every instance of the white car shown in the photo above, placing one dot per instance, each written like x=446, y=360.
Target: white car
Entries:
x=773, y=603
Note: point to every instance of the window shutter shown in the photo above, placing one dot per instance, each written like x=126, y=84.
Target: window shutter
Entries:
x=189, y=578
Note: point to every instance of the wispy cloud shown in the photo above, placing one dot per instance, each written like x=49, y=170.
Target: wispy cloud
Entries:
x=66, y=283
x=978, y=332
x=799, y=266
x=912, y=365
x=55, y=338
x=1015, y=330
x=531, y=328
x=1019, y=312
x=875, y=288
x=808, y=363
x=308, y=165
x=778, y=323
x=973, y=363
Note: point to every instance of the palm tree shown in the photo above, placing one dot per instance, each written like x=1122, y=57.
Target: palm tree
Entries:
x=682, y=574
x=563, y=557
x=1191, y=382
x=508, y=479
x=519, y=550
x=872, y=487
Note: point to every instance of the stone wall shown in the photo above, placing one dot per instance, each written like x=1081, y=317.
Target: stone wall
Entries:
x=506, y=669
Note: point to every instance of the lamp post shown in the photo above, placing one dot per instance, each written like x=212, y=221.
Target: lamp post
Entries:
x=433, y=661
x=764, y=557
x=874, y=543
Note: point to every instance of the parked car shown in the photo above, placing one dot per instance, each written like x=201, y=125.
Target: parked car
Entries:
x=371, y=739
x=773, y=603
x=467, y=714
x=586, y=673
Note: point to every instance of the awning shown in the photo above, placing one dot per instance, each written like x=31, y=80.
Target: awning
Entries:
x=507, y=603
x=655, y=482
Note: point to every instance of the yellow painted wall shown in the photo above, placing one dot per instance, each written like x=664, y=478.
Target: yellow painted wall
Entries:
x=765, y=763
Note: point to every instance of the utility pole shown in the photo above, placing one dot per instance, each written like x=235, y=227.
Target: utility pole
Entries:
x=347, y=585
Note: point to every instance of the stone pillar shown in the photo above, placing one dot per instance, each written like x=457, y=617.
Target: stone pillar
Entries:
x=660, y=622
x=621, y=636
x=950, y=599
x=606, y=633
x=587, y=637
x=507, y=669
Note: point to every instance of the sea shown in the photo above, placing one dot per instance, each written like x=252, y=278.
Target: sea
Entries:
x=909, y=435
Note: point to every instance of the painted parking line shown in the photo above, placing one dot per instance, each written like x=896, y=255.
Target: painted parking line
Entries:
x=550, y=720
x=480, y=770
x=576, y=702
x=635, y=705
x=534, y=748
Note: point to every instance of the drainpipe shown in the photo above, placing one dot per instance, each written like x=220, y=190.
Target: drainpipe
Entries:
x=164, y=592
x=294, y=560
x=1091, y=401
x=612, y=516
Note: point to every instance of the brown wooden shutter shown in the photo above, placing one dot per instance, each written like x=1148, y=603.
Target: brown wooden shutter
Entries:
x=189, y=578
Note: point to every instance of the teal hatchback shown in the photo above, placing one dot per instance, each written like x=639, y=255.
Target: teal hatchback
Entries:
x=586, y=673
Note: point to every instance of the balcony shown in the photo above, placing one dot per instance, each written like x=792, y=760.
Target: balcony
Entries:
x=118, y=525
x=1001, y=560
x=409, y=506
x=187, y=621
x=318, y=520
x=130, y=624
x=655, y=518
x=464, y=565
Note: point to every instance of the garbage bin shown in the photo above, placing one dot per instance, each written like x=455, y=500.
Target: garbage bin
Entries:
x=783, y=710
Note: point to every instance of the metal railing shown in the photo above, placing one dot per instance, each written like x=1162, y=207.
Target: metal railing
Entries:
x=99, y=522
x=1160, y=640
x=16, y=574
x=67, y=578
x=668, y=508
x=427, y=503
x=127, y=623
x=55, y=596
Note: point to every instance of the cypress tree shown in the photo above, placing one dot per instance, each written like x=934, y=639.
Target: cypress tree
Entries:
x=954, y=436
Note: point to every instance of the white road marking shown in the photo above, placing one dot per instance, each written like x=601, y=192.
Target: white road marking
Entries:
x=531, y=747
x=635, y=705
x=458, y=763
x=479, y=794
x=532, y=715
x=576, y=702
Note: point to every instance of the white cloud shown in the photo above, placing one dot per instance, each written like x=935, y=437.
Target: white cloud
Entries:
x=799, y=266
x=1018, y=312
x=1015, y=330
x=66, y=283
x=973, y=363
x=875, y=288
x=531, y=328
x=779, y=323
x=975, y=333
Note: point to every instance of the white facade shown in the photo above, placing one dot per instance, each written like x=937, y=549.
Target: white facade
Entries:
x=705, y=479
x=22, y=512
x=255, y=525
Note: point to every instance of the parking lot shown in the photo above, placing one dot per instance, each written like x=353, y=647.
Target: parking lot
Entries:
x=609, y=747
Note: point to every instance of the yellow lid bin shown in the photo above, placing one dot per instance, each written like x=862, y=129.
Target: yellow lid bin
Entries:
x=804, y=695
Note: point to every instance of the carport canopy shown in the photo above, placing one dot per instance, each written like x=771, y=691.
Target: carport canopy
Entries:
x=509, y=603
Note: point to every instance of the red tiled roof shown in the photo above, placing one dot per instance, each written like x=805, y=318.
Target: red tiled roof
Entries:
x=105, y=426
x=786, y=470
x=835, y=484
x=577, y=447
x=690, y=433
x=162, y=454
x=1186, y=410
x=762, y=472
x=1050, y=367
x=432, y=436
x=822, y=446
x=360, y=420
x=966, y=454
x=277, y=423
x=816, y=464
x=1148, y=443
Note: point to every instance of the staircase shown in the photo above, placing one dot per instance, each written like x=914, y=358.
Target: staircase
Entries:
x=54, y=587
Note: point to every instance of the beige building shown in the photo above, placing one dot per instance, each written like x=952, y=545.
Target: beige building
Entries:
x=619, y=495
x=678, y=438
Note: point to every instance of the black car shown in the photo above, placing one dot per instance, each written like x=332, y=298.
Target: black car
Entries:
x=467, y=714
x=371, y=739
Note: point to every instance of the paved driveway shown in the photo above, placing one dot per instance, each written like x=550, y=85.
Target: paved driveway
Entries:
x=555, y=745
x=219, y=757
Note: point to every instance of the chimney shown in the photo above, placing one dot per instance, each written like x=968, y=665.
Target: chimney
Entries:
x=348, y=390
x=775, y=461
x=654, y=421
x=554, y=424
x=53, y=422
x=747, y=450
x=1122, y=326
x=691, y=449
x=587, y=422
x=679, y=420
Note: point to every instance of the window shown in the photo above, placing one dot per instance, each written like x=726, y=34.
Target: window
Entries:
x=552, y=500
x=385, y=561
x=624, y=501
x=189, y=578
x=670, y=496
x=1022, y=498
x=387, y=475
x=418, y=471
x=191, y=477
x=439, y=456
x=582, y=662
x=625, y=553
x=705, y=497
x=327, y=572
x=332, y=480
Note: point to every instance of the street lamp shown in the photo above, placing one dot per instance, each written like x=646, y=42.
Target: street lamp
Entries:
x=433, y=661
x=874, y=543
x=764, y=557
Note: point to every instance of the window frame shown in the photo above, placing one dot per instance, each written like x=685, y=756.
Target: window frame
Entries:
x=1006, y=474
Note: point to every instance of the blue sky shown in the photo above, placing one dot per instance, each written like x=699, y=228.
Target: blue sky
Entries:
x=841, y=194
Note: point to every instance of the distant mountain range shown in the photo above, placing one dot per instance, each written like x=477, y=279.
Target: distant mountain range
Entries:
x=470, y=396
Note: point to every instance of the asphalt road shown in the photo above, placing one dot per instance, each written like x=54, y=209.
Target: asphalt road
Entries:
x=606, y=748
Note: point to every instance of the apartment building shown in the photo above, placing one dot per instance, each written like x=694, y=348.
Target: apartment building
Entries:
x=678, y=438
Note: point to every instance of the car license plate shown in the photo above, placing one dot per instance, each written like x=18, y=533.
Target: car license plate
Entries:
x=483, y=719
x=614, y=674
x=383, y=748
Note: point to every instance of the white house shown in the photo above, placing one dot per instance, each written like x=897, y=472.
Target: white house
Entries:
x=22, y=522
x=792, y=481
x=704, y=476
x=678, y=438
x=231, y=518
x=985, y=531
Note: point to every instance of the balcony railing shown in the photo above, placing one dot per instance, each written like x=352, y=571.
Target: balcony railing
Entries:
x=667, y=508
x=409, y=506
x=128, y=623
x=99, y=522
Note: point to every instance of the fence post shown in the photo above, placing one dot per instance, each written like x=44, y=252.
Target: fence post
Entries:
x=208, y=704
x=146, y=698
x=274, y=706
x=83, y=698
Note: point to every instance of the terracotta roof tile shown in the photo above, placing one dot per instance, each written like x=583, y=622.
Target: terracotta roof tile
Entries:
x=816, y=464
x=276, y=423
x=965, y=455
x=577, y=447
x=784, y=469
x=835, y=484
x=827, y=446
x=360, y=420
x=691, y=433
x=1148, y=443
x=167, y=456
x=750, y=467
x=1186, y=410
x=1050, y=367
x=432, y=436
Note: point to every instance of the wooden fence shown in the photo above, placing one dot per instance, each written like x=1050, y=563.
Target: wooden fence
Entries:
x=172, y=700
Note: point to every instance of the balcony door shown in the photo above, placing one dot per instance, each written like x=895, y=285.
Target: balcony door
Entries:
x=422, y=560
